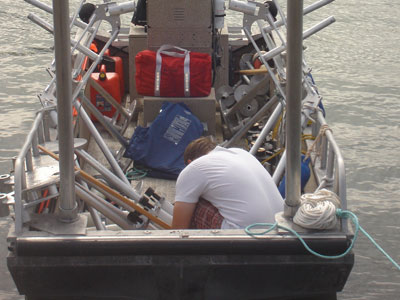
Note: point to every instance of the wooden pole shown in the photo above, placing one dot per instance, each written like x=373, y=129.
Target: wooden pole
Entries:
x=252, y=71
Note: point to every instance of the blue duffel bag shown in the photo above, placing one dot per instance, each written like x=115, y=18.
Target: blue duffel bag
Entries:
x=160, y=147
x=304, y=177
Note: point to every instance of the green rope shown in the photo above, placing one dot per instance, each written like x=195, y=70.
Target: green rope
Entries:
x=342, y=214
x=136, y=173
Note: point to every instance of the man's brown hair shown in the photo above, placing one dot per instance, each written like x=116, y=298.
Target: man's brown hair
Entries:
x=198, y=148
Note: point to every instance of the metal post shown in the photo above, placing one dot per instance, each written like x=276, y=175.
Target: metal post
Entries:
x=267, y=128
x=293, y=104
x=261, y=113
x=62, y=48
x=110, y=211
x=117, y=183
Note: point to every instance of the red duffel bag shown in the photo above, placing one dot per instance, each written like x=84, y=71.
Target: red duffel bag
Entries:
x=176, y=73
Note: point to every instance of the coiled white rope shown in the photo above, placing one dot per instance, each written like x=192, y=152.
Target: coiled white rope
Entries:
x=318, y=210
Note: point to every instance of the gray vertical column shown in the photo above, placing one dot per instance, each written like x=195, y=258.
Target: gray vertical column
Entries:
x=62, y=44
x=293, y=104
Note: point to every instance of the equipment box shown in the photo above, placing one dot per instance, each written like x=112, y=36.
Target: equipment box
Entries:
x=178, y=23
x=203, y=108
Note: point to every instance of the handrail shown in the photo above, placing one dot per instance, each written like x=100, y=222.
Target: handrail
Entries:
x=330, y=161
x=19, y=169
x=328, y=166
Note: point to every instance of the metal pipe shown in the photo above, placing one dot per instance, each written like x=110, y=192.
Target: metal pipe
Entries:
x=318, y=27
x=38, y=201
x=306, y=11
x=49, y=10
x=112, y=197
x=46, y=126
x=40, y=5
x=102, y=187
x=93, y=213
x=162, y=216
x=86, y=51
x=40, y=133
x=270, y=45
x=330, y=163
x=249, y=123
x=76, y=14
x=280, y=169
x=62, y=49
x=86, y=119
x=29, y=161
x=88, y=26
x=107, y=125
x=293, y=104
x=306, y=34
x=108, y=97
x=100, y=142
x=40, y=22
x=316, y=6
x=87, y=75
x=248, y=97
x=87, y=42
x=48, y=27
x=324, y=153
x=19, y=173
x=121, y=186
x=106, y=208
x=267, y=128
x=339, y=162
x=4, y=190
x=122, y=8
x=34, y=145
x=264, y=61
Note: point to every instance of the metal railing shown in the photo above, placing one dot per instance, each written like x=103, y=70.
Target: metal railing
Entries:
x=328, y=162
x=24, y=162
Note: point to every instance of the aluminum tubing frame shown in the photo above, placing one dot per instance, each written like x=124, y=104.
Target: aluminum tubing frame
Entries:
x=110, y=158
x=341, y=170
x=19, y=171
x=106, y=208
x=107, y=125
x=267, y=128
x=306, y=11
x=93, y=212
x=250, y=122
x=116, y=182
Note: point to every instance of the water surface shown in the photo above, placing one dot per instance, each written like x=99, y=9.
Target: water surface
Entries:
x=356, y=66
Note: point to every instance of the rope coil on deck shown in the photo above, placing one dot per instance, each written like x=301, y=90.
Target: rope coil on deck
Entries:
x=318, y=210
x=323, y=206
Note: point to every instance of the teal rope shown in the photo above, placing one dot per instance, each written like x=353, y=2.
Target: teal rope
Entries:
x=380, y=248
x=136, y=174
x=342, y=214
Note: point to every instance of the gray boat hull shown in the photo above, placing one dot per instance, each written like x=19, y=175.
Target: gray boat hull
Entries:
x=178, y=268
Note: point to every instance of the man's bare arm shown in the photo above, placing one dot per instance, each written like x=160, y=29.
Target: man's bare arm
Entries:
x=183, y=213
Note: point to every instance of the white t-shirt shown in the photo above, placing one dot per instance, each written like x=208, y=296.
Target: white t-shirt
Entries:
x=235, y=182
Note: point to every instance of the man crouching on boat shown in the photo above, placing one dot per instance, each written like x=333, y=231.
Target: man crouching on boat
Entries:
x=223, y=188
